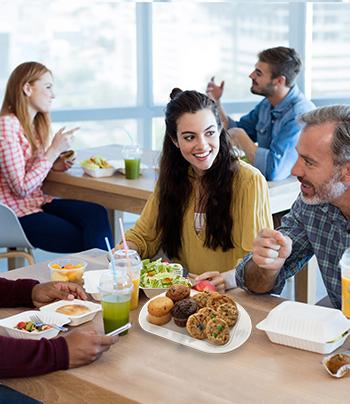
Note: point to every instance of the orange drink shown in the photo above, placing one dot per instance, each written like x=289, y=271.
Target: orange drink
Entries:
x=345, y=282
x=135, y=294
x=345, y=295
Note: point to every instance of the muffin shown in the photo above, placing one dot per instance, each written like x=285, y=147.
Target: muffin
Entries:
x=159, y=310
x=178, y=292
x=182, y=310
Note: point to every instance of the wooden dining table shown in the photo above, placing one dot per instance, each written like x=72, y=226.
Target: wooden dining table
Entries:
x=118, y=193
x=145, y=368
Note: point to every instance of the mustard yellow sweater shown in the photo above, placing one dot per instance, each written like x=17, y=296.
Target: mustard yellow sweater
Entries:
x=250, y=213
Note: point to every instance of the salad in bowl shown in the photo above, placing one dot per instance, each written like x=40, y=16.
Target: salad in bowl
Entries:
x=157, y=276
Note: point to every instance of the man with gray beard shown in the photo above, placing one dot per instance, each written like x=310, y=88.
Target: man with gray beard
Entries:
x=319, y=221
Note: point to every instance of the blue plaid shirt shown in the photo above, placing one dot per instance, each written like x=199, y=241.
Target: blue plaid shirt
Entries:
x=314, y=229
x=276, y=130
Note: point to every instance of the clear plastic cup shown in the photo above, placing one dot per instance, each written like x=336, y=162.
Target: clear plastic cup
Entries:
x=115, y=289
x=132, y=161
x=131, y=261
x=345, y=282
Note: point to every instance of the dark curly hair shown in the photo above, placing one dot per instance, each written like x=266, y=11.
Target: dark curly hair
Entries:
x=175, y=186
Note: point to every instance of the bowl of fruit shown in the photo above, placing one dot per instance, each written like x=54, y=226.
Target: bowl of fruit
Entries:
x=67, y=270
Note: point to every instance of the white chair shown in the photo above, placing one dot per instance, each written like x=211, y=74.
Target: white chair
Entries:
x=13, y=238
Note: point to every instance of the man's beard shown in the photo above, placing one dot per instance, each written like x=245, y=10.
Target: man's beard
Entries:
x=328, y=192
x=267, y=91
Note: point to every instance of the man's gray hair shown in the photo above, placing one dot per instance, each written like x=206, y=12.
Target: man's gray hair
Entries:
x=340, y=116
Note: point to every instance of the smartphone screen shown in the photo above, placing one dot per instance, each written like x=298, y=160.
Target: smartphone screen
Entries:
x=119, y=330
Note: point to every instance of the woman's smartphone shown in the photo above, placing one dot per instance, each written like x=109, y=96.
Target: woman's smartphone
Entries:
x=119, y=330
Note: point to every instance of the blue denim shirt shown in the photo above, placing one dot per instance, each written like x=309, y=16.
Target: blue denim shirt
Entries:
x=314, y=229
x=276, y=130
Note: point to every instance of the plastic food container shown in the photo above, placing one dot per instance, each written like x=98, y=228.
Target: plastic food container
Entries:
x=305, y=326
x=67, y=270
x=91, y=282
x=8, y=324
x=99, y=172
x=78, y=319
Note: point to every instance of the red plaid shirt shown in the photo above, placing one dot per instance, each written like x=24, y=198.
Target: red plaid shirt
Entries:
x=21, y=172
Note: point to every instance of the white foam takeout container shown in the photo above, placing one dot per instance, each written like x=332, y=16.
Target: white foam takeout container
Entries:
x=75, y=320
x=305, y=326
x=8, y=324
x=91, y=282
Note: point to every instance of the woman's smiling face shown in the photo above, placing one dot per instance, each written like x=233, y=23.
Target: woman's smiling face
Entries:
x=198, y=139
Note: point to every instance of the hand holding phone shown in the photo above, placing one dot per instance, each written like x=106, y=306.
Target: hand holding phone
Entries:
x=119, y=330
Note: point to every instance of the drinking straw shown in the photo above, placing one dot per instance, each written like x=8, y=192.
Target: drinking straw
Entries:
x=114, y=270
x=125, y=246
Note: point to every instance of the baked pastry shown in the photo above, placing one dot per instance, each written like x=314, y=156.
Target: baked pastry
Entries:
x=182, y=310
x=218, y=332
x=229, y=313
x=73, y=309
x=215, y=300
x=178, y=292
x=159, y=310
x=158, y=320
x=196, y=324
x=202, y=298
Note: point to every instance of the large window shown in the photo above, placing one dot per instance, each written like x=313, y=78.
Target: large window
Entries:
x=194, y=41
x=115, y=63
x=90, y=50
x=331, y=50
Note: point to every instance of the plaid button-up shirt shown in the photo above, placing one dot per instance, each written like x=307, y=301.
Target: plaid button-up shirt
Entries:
x=21, y=172
x=314, y=229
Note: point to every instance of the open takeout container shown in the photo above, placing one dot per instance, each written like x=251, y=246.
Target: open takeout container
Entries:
x=75, y=319
x=8, y=324
x=305, y=326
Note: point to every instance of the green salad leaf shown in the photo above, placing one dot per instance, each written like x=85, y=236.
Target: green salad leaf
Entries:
x=158, y=274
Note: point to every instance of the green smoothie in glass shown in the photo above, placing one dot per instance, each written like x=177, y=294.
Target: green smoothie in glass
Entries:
x=115, y=288
x=132, y=160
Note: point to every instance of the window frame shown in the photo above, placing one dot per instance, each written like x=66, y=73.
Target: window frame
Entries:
x=300, y=38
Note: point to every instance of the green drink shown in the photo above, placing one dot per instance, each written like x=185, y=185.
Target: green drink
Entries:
x=115, y=312
x=132, y=168
x=132, y=157
x=116, y=288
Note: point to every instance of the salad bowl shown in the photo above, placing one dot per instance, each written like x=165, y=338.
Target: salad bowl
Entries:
x=157, y=276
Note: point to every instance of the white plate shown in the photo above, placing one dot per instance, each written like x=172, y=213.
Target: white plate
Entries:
x=238, y=334
x=75, y=320
x=7, y=324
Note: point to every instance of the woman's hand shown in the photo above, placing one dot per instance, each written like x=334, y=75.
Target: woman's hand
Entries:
x=62, y=164
x=60, y=142
x=214, y=277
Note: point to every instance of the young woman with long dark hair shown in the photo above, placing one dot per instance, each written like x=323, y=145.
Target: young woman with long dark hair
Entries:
x=208, y=205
